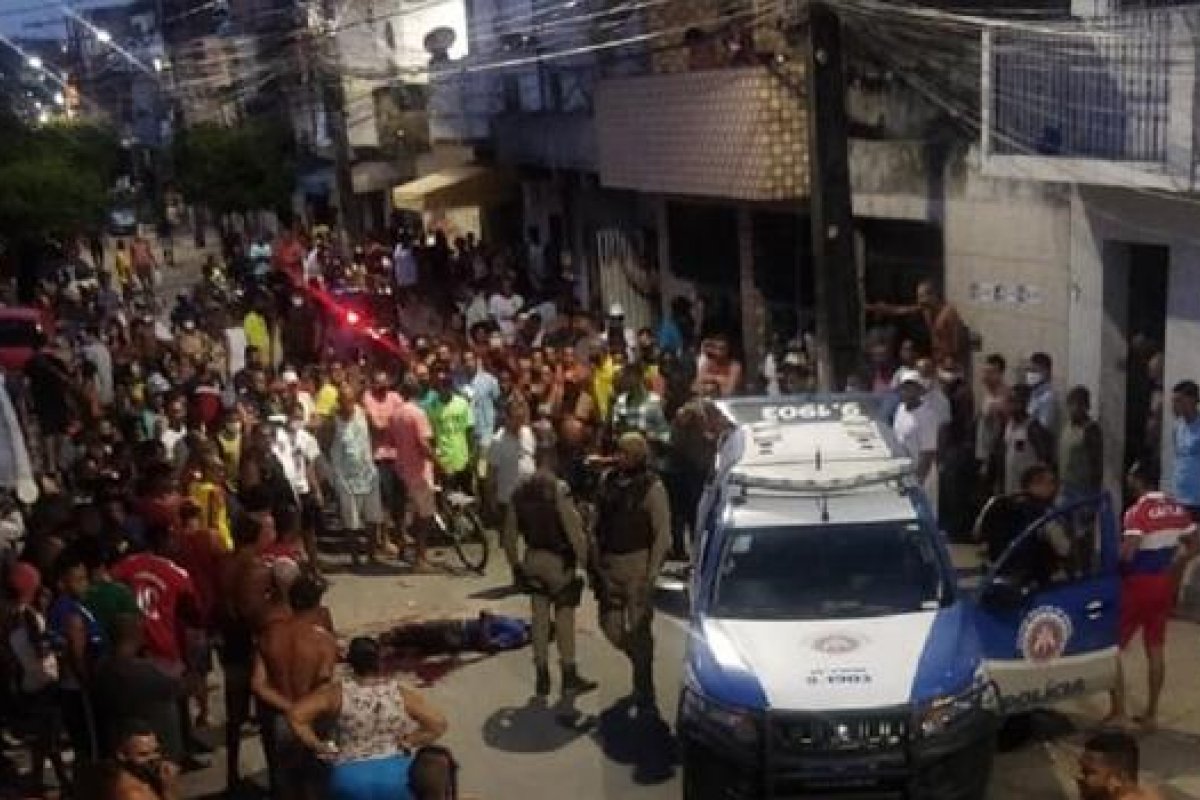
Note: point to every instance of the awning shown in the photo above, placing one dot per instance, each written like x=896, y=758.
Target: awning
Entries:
x=454, y=187
x=374, y=176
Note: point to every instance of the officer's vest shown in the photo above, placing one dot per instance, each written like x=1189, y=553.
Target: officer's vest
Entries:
x=624, y=524
x=536, y=507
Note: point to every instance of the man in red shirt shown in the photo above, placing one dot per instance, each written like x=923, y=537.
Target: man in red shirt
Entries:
x=169, y=603
x=1159, y=540
x=199, y=552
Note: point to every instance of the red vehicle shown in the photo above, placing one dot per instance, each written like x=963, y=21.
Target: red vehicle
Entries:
x=21, y=336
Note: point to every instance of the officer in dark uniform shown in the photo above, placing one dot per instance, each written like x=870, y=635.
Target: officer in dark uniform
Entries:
x=555, y=552
x=632, y=537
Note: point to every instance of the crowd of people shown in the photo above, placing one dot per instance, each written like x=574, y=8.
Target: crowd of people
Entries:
x=170, y=480
x=170, y=473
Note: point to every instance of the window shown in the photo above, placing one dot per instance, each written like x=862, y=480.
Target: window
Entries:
x=831, y=571
x=389, y=36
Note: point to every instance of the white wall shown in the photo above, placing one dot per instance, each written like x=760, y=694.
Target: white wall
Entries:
x=1114, y=215
x=996, y=231
x=381, y=42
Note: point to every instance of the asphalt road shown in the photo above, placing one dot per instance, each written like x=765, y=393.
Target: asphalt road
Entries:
x=511, y=745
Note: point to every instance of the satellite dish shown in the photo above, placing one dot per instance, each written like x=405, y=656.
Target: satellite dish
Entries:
x=439, y=40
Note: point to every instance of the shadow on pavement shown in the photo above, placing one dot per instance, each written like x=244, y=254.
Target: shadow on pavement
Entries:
x=672, y=603
x=1040, y=725
x=249, y=788
x=536, y=727
x=496, y=593
x=641, y=740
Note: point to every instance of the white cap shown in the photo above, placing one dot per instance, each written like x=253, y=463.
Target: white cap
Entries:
x=909, y=376
x=157, y=384
x=289, y=376
x=616, y=310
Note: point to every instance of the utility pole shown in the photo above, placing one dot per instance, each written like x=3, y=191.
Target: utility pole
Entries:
x=333, y=98
x=838, y=293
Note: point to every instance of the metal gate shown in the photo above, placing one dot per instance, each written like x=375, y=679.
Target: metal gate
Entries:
x=623, y=276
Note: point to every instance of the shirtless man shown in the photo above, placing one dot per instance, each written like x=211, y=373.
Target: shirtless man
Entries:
x=245, y=586
x=1108, y=769
x=296, y=655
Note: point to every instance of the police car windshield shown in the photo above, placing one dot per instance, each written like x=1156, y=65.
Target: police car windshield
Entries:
x=828, y=572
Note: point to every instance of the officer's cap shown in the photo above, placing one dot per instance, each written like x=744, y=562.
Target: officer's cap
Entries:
x=633, y=444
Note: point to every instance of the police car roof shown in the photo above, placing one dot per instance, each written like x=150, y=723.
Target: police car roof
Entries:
x=770, y=509
x=815, y=443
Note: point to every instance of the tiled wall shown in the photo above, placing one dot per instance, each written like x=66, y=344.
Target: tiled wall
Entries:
x=737, y=133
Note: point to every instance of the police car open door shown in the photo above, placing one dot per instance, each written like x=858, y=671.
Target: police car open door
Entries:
x=1047, y=610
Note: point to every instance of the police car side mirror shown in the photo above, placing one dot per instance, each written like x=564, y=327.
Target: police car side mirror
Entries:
x=1004, y=594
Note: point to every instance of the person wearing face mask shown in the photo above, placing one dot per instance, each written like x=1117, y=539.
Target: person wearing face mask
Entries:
x=1044, y=405
x=1024, y=444
x=298, y=452
x=139, y=770
x=297, y=394
x=917, y=426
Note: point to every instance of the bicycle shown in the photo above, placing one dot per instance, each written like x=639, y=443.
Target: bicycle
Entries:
x=457, y=520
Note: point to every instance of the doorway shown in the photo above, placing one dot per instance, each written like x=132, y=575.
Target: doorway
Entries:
x=1148, y=271
x=1134, y=333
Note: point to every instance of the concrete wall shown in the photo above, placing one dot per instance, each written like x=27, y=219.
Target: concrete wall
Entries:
x=997, y=232
x=1100, y=218
x=1012, y=234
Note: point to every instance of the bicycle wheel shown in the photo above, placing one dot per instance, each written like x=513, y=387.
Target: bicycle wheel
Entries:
x=470, y=541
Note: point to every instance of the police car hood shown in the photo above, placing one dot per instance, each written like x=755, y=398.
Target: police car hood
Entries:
x=827, y=664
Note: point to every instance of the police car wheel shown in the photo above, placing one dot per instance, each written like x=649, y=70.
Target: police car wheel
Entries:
x=701, y=782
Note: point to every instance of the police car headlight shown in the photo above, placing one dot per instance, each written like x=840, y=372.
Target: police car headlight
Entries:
x=943, y=713
x=739, y=724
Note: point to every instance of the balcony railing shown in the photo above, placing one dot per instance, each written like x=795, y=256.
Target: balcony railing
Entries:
x=1108, y=96
x=1101, y=93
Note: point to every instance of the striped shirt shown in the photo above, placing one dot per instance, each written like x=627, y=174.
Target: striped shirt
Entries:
x=1158, y=522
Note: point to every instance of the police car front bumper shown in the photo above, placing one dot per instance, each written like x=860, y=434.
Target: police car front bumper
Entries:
x=875, y=756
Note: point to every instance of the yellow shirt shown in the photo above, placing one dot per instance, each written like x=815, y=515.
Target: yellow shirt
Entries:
x=602, y=386
x=123, y=267
x=257, y=334
x=326, y=401
x=231, y=455
x=214, y=514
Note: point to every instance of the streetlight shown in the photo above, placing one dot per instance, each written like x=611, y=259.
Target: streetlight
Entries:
x=103, y=36
x=35, y=62
x=158, y=65
x=60, y=99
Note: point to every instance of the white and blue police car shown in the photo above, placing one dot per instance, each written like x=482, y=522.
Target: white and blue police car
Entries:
x=832, y=647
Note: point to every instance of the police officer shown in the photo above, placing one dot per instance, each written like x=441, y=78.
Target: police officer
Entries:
x=633, y=534
x=555, y=549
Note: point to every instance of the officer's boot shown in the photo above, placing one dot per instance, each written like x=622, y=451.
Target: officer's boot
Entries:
x=542, y=683
x=574, y=682
x=643, y=686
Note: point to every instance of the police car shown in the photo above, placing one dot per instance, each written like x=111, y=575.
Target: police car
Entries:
x=832, y=646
